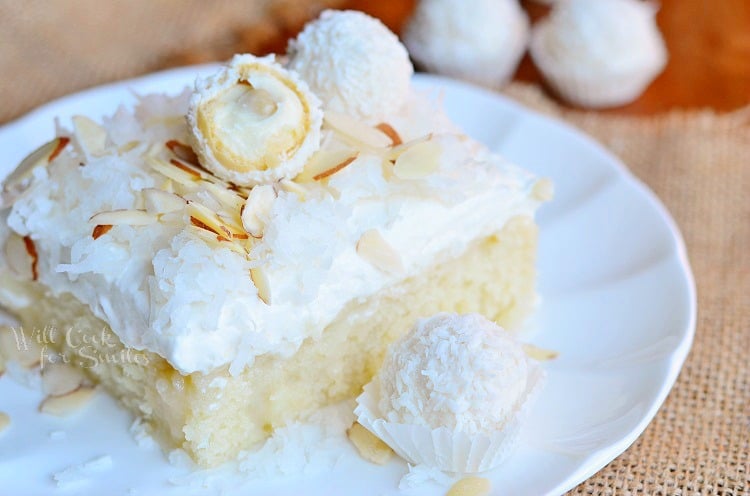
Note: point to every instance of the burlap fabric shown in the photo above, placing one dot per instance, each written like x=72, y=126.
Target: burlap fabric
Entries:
x=698, y=163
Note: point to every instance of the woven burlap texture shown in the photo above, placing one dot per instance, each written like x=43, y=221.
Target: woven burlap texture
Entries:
x=698, y=163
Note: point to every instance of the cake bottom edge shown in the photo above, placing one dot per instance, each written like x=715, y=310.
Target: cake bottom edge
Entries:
x=215, y=416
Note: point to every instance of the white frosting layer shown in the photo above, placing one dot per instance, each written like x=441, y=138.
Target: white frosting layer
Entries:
x=162, y=288
x=457, y=371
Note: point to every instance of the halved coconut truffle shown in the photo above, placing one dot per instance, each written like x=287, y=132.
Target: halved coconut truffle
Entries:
x=254, y=122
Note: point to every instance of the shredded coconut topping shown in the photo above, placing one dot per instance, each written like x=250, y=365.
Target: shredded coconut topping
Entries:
x=457, y=371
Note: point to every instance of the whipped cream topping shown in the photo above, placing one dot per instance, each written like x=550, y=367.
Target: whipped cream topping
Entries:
x=163, y=287
x=354, y=63
x=462, y=372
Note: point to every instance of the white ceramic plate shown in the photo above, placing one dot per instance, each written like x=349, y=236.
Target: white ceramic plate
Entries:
x=618, y=304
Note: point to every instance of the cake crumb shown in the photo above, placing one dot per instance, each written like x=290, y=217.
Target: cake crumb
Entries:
x=142, y=437
x=58, y=435
x=369, y=446
x=470, y=486
x=4, y=421
x=80, y=474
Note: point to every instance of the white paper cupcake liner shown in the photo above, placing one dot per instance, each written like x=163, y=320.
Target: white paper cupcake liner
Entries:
x=595, y=87
x=447, y=449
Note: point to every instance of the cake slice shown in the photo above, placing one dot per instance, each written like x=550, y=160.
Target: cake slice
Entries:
x=229, y=259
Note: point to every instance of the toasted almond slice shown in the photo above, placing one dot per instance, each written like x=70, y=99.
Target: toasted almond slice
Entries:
x=228, y=198
x=256, y=209
x=293, y=187
x=538, y=353
x=59, y=379
x=388, y=130
x=193, y=171
x=91, y=135
x=356, y=132
x=396, y=151
x=158, y=201
x=62, y=406
x=369, y=446
x=543, y=190
x=127, y=147
x=376, y=250
x=182, y=151
x=470, y=486
x=20, y=179
x=217, y=241
x=334, y=169
x=31, y=250
x=126, y=217
x=203, y=217
x=4, y=421
x=323, y=162
x=260, y=279
x=17, y=257
x=177, y=174
x=100, y=230
x=17, y=345
x=418, y=161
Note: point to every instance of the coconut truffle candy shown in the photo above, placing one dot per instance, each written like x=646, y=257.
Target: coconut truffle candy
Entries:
x=599, y=53
x=477, y=40
x=258, y=245
x=451, y=393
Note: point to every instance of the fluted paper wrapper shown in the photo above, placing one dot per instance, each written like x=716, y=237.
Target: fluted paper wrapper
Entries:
x=447, y=449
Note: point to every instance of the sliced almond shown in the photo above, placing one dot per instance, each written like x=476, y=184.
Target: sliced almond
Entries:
x=20, y=179
x=257, y=208
x=388, y=130
x=470, y=486
x=543, y=190
x=17, y=257
x=18, y=345
x=376, y=250
x=538, y=353
x=182, y=151
x=205, y=218
x=396, y=151
x=293, y=187
x=62, y=406
x=324, y=163
x=260, y=279
x=31, y=250
x=59, y=379
x=123, y=217
x=100, y=230
x=228, y=198
x=369, y=446
x=217, y=241
x=127, y=147
x=91, y=135
x=179, y=175
x=333, y=170
x=418, y=161
x=4, y=421
x=158, y=201
x=356, y=132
